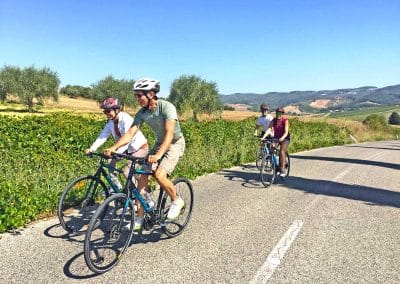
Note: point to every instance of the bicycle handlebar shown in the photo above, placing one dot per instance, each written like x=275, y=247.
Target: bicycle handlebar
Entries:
x=118, y=155
x=270, y=140
x=140, y=161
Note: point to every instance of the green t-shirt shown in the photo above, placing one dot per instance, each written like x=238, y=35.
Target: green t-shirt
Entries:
x=156, y=119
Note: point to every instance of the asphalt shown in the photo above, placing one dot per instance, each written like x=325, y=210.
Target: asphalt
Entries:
x=347, y=199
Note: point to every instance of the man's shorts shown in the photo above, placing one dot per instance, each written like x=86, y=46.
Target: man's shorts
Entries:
x=172, y=156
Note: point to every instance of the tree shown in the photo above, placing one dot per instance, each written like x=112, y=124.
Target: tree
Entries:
x=110, y=87
x=74, y=91
x=375, y=121
x=8, y=80
x=29, y=83
x=194, y=95
x=394, y=118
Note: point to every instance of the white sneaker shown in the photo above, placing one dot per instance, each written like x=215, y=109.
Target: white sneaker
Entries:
x=138, y=223
x=175, y=209
x=282, y=173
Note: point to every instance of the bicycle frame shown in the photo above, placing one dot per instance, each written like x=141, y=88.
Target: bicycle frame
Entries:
x=103, y=164
x=270, y=149
x=133, y=190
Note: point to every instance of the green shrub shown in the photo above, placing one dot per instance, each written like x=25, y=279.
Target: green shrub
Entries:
x=375, y=121
x=40, y=155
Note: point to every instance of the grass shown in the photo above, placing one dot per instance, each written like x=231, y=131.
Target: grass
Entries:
x=360, y=115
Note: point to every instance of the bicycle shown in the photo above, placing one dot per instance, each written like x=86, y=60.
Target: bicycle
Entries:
x=112, y=226
x=270, y=162
x=82, y=196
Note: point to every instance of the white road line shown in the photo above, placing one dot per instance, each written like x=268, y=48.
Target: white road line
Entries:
x=277, y=254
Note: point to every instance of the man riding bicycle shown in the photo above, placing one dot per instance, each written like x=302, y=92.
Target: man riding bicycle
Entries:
x=162, y=118
x=280, y=127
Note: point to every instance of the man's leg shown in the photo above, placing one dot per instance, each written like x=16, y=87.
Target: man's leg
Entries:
x=161, y=177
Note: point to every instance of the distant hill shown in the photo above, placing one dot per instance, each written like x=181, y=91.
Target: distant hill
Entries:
x=318, y=101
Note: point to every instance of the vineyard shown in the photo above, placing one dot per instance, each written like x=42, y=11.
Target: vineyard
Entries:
x=40, y=155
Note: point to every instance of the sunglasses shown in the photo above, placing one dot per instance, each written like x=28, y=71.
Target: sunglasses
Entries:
x=107, y=111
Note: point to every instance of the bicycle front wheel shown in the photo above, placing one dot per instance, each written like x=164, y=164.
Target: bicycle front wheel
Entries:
x=79, y=201
x=184, y=189
x=267, y=172
x=110, y=233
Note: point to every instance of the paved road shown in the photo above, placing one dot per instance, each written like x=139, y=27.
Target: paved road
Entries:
x=335, y=220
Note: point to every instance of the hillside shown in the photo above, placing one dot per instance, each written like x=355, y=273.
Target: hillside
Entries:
x=318, y=101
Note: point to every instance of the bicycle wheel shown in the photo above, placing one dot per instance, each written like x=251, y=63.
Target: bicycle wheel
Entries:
x=267, y=171
x=185, y=190
x=110, y=233
x=258, y=158
x=79, y=201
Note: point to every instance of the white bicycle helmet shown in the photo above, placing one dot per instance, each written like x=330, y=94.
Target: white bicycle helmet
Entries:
x=146, y=85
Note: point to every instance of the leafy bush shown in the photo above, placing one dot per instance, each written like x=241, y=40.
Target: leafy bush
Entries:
x=40, y=155
x=375, y=121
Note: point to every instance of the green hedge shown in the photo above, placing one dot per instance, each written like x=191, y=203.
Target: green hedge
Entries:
x=40, y=155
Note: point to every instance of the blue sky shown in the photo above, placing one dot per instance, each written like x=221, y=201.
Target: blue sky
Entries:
x=243, y=46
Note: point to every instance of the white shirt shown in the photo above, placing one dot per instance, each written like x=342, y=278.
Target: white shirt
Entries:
x=124, y=123
x=264, y=121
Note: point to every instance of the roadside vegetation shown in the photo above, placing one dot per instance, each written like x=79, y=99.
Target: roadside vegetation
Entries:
x=40, y=155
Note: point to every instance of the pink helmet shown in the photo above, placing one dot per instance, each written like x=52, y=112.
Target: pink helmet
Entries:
x=110, y=103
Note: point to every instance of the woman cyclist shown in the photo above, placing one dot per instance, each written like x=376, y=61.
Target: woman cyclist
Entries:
x=280, y=127
x=118, y=123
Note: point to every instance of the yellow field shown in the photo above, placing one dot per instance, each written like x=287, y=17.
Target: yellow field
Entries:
x=81, y=105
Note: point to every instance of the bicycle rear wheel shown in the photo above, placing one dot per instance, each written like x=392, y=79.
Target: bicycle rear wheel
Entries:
x=110, y=233
x=78, y=202
x=184, y=189
x=267, y=171
x=259, y=157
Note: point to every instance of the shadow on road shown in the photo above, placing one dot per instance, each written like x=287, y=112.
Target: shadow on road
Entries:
x=370, y=195
x=349, y=160
x=146, y=237
x=248, y=179
x=380, y=148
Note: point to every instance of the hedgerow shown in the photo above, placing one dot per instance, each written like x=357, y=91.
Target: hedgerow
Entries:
x=40, y=155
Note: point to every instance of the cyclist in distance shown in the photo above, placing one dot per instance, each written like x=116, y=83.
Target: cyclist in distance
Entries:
x=280, y=127
x=118, y=123
x=263, y=120
x=161, y=116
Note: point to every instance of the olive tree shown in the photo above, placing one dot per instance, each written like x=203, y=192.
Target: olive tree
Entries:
x=111, y=87
x=194, y=96
x=74, y=91
x=28, y=84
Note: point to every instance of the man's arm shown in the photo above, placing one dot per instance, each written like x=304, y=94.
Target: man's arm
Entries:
x=125, y=139
x=169, y=136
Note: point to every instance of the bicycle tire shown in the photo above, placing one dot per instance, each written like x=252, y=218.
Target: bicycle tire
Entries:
x=184, y=189
x=78, y=202
x=110, y=233
x=258, y=159
x=267, y=171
